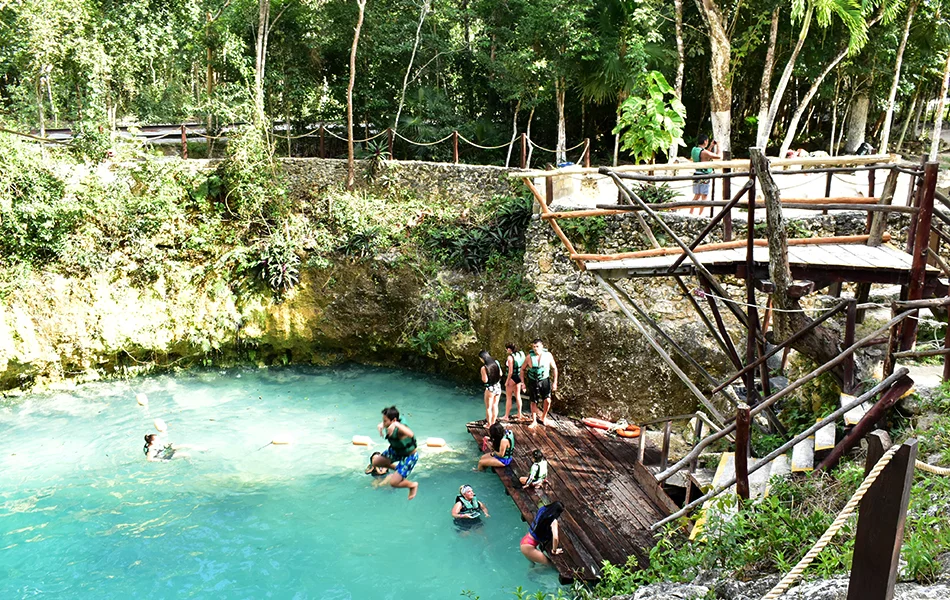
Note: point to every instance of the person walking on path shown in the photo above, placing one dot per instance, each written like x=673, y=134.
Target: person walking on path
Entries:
x=704, y=151
x=401, y=454
x=491, y=377
x=539, y=374
x=513, y=379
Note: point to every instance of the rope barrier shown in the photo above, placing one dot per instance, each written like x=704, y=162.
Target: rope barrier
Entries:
x=356, y=141
x=931, y=468
x=200, y=134
x=468, y=141
x=532, y=144
x=407, y=140
x=34, y=137
x=796, y=573
x=297, y=137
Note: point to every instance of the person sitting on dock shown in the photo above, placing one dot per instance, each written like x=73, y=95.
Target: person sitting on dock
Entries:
x=538, y=473
x=543, y=534
x=539, y=374
x=468, y=509
x=401, y=454
x=503, y=448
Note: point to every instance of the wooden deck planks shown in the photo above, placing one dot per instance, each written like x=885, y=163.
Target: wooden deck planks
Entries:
x=608, y=509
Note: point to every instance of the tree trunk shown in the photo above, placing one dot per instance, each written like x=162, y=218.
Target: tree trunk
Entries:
x=834, y=116
x=907, y=119
x=260, y=60
x=560, y=90
x=527, y=162
x=889, y=109
x=918, y=115
x=938, y=121
x=857, y=124
x=821, y=344
x=764, y=129
x=39, y=103
x=680, y=69
x=514, y=132
x=793, y=125
x=415, y=46
x=720, y=102
x=350, y=162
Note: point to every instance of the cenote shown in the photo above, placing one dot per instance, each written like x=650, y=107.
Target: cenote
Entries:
x=83, y=513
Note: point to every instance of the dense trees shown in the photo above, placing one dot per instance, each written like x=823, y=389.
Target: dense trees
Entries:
x=760, y=72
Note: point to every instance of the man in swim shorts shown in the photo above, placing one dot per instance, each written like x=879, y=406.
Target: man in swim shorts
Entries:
x=539, y=377
x=401, y=454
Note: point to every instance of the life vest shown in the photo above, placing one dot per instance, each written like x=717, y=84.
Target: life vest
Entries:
x=697, y=156
x=541, y=536
x=539, y=472
x=540, y=368
x=511, y=444
x=517, y=359
x=469, y=507
x=402, y=447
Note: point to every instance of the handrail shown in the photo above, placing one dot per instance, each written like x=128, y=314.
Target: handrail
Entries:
x=885, y=383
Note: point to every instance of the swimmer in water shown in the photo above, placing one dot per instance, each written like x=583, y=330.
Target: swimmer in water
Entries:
x=158, y=449
x=468, y=509
x=373, y=470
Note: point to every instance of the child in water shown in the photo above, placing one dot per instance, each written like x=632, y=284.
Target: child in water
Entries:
x=538, y=474
x=373, y=470
x=156, y=449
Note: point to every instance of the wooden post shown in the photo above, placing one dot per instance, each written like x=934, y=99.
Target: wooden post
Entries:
x=641, y=443
x=727, y=193
x=914, y=200
x=455, y=147
x=697, y=435
x=323, y=153
x=389, y=133
x=184, y=142
x=753, y=316
x=828, y=179
x=742, y=450
x=880, y=529
x=921, y=246
x=586, y=153
x=549, y=190
x=665, y=453
x=848, y=366
x=524, y=151
x=870, y=194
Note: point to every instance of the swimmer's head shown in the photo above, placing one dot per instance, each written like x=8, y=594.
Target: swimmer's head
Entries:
x=537, y=455
x=389, y=415
x=466, y=492
x=149, y=437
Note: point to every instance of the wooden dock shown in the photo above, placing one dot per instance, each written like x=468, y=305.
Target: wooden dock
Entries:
x=610, y=499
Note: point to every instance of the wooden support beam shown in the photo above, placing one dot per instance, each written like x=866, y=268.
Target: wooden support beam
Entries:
x=867, y=422
x=742, y=451
x=847, y=385
x=920, y=250
x=665, y=452
x=800, y=289
x=764, y=285
x=726, y=210
x=702, y=315
x=880, y=529
x=726, y=193
x=557, y=228
x=731, y=351
x=922, y=353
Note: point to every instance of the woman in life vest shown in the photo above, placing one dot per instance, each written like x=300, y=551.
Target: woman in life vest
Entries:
x=401, y=454
x=503, y=448
x=543, y=535
x=491, y=377
x=704, y=151
x=468, y=509
x=513, y=379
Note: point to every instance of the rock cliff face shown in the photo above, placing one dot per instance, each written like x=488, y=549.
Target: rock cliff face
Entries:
x=56, y=328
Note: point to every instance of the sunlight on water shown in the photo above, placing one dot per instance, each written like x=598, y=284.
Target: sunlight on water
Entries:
x=83, y=513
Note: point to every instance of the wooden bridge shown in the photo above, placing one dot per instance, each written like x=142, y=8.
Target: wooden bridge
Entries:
x=610, y=499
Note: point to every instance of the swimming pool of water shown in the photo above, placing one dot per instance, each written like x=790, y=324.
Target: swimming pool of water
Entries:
x=83, y=514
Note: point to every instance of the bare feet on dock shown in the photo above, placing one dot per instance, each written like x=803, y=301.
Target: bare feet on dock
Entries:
x=413, y=489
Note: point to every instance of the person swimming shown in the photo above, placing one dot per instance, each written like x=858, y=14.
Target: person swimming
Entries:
x=468, y=509
x=156, y=449
x=373, y=470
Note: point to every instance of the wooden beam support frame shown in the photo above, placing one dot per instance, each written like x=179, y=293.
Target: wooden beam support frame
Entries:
x=742, y=451
x=921, y=248
x=726, y=210
x=880, y=529
x=557, y=228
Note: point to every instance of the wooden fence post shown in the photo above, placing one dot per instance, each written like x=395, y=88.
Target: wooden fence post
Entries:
x=665, y=452
x=455, y=147
x=389, y=133
x=184, y=142
x=524, y=151
x=587, y=152
x=828, y=179
x=742, y=450
x=848, y=366
x=921, y=247
x=727, y=195
x=880, y=529
x=323, y=153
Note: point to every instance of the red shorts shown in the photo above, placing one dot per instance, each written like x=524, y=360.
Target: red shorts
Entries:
x=529, y=540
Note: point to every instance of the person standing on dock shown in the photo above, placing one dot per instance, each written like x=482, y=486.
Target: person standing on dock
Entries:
x=543, y=534
x=401, y=454
x=703, y=151
x=513, y=379
x=491, y=377
x=539, y=374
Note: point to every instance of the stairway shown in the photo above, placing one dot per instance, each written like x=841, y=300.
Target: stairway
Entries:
x=802, y=461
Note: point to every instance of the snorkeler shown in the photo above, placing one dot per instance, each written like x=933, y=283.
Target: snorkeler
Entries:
x=468, y=508
x=401, y=452
x=156, y=449
x=373, y=469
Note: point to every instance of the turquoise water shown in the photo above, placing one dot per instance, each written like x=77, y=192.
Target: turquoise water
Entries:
x=83, y=514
